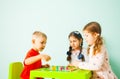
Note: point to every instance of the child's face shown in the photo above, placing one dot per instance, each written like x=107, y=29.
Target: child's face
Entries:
x=74, y=43
x=89, y=37
x=39, y=43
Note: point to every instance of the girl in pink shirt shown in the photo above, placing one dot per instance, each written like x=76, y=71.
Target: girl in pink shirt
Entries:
x=98, y=61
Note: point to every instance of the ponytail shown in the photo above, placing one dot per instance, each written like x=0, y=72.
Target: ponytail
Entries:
x=69, y=54
x=98, y=44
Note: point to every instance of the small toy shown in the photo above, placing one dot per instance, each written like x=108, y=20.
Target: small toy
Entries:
x=63, y=68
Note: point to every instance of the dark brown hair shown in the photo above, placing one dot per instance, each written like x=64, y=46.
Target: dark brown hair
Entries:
x=78, y=36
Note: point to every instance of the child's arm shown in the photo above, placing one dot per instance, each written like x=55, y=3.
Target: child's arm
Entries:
x=33, y=59
x=95, y=62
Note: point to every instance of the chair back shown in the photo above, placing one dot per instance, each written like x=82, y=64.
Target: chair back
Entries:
x=15, y=69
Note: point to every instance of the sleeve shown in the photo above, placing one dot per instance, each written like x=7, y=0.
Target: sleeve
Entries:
x=29, y=54
x=95, y=62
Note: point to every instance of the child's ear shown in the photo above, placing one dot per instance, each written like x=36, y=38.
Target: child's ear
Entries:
x=96, y=34
x=33, y=41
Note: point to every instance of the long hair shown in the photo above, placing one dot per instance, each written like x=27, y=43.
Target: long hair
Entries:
x=94, y=27
x=77, y=35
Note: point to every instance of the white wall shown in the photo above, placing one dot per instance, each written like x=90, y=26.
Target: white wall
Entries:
x=57, y=18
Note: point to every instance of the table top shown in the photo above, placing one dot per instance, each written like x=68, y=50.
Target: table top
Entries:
x=63, y=74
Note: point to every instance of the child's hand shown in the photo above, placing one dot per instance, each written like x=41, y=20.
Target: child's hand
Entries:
x=45, y=57
x=72, y=68
x=70, y=65
x=46, y=66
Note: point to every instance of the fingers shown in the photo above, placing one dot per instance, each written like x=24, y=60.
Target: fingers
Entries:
x=46, y=66
x=46, y=57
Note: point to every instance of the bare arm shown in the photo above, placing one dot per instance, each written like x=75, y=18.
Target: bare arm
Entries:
x=33, y=59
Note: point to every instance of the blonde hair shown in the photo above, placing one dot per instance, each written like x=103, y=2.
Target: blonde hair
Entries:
x=37, y=34
x=94, y=27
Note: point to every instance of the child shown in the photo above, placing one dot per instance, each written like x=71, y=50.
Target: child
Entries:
x=75, y=52
x=33, y=57
x=98, y=57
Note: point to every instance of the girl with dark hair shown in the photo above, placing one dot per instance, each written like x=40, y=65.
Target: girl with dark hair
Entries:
x=75, y=52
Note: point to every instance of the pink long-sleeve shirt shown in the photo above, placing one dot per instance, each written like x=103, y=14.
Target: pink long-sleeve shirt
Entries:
x=99, y=64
